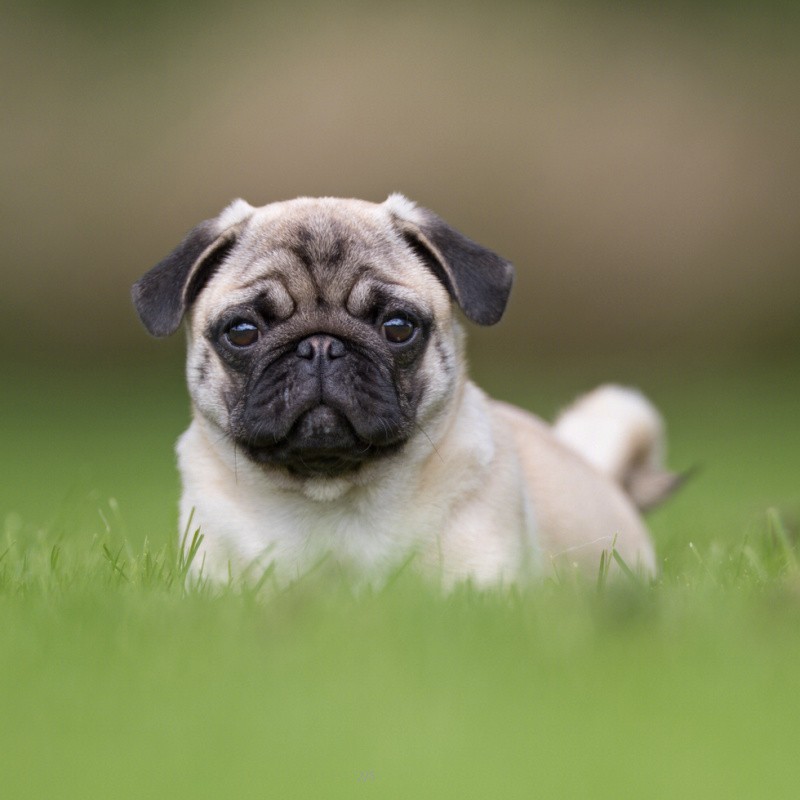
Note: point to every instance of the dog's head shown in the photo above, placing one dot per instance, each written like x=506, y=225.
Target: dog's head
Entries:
x=321, y=331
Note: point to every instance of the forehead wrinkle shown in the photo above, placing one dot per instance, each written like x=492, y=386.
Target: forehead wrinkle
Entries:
x=319, y=242
x=322, y=254
x=370, y=290
x=276, y=264
x=269, y=265
x=273, y=291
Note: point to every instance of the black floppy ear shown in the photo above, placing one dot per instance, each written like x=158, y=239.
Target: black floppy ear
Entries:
x=163, y=294
x=476, y=278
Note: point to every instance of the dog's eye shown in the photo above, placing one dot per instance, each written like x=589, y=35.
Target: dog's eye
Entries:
x=242, y=334
x=398, y=330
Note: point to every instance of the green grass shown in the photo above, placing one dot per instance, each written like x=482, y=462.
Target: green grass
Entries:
x=119, y=680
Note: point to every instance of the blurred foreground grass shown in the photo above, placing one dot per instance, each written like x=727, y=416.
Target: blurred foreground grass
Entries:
x=120, y=682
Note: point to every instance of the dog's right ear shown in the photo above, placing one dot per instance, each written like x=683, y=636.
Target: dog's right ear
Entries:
x=163, y=295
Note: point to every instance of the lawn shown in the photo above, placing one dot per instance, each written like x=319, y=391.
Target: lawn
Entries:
x=118, y=681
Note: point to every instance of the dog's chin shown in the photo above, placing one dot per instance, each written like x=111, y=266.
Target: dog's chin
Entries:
x=321, y=444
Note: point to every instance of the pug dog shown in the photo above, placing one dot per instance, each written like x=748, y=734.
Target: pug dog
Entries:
x=333, y=417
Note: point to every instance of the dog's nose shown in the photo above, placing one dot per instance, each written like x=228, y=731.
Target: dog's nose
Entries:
x=320, y=345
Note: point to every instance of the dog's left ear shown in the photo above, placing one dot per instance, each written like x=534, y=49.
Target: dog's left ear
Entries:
x=478, y=280
x=163, y=295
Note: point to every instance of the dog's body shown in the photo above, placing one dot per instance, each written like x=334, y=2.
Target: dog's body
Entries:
x=333, y=415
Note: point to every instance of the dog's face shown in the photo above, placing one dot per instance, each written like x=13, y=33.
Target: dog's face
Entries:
x=321, y=332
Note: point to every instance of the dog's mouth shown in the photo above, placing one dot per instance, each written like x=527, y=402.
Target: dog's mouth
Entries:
x=321, y=443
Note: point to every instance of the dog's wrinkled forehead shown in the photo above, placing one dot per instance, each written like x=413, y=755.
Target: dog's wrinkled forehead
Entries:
x=316, y=252
x=322, y=250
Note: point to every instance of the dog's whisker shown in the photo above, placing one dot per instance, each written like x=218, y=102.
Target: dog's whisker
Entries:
x=430, y=441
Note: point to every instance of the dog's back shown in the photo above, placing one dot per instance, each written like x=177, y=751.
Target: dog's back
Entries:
x=590, y=474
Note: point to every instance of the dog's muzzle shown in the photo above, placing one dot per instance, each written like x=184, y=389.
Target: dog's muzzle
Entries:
x=326, y=432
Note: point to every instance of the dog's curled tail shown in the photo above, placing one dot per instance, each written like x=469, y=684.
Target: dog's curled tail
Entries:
x=619, y=432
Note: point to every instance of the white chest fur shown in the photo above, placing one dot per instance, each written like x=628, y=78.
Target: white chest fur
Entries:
x=425, y=503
